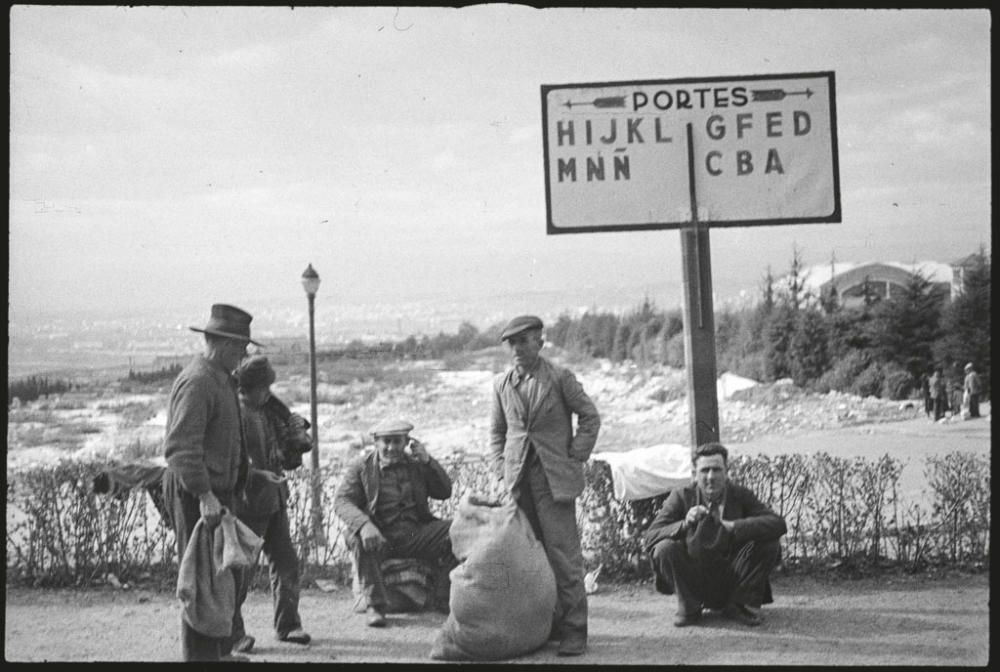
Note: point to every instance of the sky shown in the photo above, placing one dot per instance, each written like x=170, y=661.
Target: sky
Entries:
x=164, y=157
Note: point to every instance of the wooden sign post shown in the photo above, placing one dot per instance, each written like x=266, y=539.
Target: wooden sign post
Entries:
x=692, y=154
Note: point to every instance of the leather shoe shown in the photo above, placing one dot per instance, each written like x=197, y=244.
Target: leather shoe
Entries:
x=233, y=658
x=684, y=620
x=742, y=613
x=572, y=645
x=297, y=636
x=244, y=644
x=375, y=618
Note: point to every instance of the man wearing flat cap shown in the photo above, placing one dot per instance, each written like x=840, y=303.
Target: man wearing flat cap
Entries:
x=276, y=438
x=539, y=458
x=382, y=498
x=206, y=458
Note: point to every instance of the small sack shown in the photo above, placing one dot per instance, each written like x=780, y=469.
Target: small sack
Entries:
x=708, y=541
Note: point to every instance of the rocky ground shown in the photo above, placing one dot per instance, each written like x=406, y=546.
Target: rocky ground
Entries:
x=448, y=403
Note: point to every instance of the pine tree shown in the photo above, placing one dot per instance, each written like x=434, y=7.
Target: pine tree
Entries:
x=965, y=324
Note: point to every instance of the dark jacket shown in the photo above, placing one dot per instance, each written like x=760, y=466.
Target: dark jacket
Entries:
x=356, y=496
x=752, y=519
x=548, y=427
x=270, y=441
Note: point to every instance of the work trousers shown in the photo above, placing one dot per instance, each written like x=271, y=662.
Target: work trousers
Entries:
x=973, y=404
x=185, y=512
x=427, y=541
x=741, y=578
x=283, y=568
x=554, y=523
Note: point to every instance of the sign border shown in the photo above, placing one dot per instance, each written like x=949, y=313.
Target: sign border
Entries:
x=832, y=218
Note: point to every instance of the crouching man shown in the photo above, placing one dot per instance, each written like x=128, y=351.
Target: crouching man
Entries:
x=715, y=544
x=382, y=498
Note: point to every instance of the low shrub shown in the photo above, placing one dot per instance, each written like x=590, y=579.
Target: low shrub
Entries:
x=838, y=511
x=868, y=383
x=897, y=384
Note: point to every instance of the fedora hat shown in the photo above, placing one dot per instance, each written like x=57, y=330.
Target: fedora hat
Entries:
x=229, y=322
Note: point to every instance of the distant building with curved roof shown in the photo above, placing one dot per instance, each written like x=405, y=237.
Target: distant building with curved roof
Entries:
x=884, y=279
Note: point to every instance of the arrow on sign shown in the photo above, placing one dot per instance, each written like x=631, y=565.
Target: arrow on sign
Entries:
x=610, y=101
x=760, y=95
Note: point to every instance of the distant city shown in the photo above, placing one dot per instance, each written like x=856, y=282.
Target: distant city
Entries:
x=61, y=344
x=83, y=341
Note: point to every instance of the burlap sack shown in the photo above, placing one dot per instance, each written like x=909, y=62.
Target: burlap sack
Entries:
x=503, y=593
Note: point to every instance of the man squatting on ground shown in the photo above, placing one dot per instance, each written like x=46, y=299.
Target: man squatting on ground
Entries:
x=734, y=575
x=203, y=446
x=540, y=461
x=382, y=498
x=275, y=439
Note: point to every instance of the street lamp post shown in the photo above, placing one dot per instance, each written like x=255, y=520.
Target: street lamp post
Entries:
x=310, y=282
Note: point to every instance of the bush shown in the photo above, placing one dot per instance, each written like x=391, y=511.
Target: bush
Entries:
x=868, y=383
x=897, y=384
x=844, y=372
x=674, y=351
x=59, y=533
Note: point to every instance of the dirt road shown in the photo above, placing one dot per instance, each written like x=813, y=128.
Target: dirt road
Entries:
x=910, y=441
x=909, y=621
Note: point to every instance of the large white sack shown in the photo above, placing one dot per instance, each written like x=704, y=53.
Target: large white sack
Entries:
x=503, y=593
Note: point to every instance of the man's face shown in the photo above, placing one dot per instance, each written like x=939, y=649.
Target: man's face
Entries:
x=711, y=476
x=232, y=352
x=256, y=396
x=524, y=348
x=390, y=448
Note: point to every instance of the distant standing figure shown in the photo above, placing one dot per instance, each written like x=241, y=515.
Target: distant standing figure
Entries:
x=382, y=498
x=925, y=388
x=732, y=575
x=955, y=387
x=206, y=457
x=540, y=461
x=973, y=388
x=276, y=439
x=939, y=394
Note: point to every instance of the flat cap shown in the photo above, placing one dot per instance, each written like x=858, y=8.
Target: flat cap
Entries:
x=519, y=325
x=391, y=427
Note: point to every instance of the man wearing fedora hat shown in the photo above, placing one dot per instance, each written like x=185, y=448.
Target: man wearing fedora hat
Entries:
x=276, y=438
x=204, y=449
x=536, y=454
x=382, y=498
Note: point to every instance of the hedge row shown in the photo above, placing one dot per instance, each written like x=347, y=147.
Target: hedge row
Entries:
x=838, y=510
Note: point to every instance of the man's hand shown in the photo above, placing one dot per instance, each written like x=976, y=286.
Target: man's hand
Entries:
x=371, y=538
x=270, y=476
x=419, y=452
x=694, y=514
x=210, y=508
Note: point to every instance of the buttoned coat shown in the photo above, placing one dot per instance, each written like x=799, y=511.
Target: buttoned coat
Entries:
x=752, y=519
x=357, y=495
x=547, y=426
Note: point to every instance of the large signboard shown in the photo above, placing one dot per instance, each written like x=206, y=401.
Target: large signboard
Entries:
x=745, y=151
